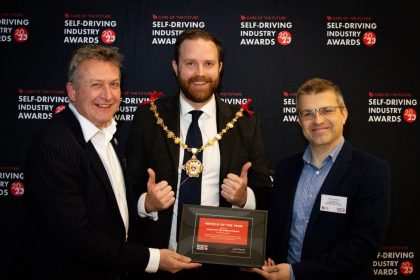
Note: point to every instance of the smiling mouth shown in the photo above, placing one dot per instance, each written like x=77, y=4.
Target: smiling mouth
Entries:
x=320, y=129
x=104, y=106
x=200, y=83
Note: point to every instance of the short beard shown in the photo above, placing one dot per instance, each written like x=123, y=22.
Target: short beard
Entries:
x=198, y=96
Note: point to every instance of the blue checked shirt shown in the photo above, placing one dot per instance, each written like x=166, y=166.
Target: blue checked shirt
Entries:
x=310, y=182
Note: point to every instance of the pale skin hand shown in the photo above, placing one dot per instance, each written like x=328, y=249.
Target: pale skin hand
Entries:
x=159, y=196
x=173, y=262
x=234, y=187
x=271, y=271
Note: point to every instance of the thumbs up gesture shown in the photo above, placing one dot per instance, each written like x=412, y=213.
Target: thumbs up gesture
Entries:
x=159, y=195
x=234, y=187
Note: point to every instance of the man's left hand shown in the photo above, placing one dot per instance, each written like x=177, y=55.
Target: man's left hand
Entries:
x=234, y=187
x=271, y=271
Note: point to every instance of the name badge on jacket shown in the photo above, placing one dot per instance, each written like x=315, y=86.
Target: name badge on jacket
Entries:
x=333, y=203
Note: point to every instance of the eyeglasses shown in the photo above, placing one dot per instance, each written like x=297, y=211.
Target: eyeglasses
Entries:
x=326, y=112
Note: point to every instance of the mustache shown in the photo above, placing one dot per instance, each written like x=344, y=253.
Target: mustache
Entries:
x=199, y=79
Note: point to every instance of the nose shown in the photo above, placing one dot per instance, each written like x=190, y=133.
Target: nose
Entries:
x=106, y=92
x=200, y=70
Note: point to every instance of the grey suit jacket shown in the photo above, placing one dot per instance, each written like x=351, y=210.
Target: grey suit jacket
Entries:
x=75, y=230
x=148, y=147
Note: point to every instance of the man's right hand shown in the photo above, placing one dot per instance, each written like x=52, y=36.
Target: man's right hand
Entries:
x=174, y=262
x=159, y=196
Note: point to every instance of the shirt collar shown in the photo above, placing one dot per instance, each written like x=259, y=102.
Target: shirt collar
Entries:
x=333, y=154
x=209, y=110
x=89, y=130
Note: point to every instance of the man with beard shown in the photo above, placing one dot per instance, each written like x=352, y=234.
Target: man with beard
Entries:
x=227, y=168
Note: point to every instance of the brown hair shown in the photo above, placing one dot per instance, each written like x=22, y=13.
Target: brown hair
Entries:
x=318, y=85
x=97, y=52
x=194, y=34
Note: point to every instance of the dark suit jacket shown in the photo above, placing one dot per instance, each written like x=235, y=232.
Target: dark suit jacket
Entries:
x=336, y=246
x=75, y=230
x=148, y=146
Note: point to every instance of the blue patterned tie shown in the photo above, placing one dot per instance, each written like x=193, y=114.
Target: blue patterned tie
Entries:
x=190, y=187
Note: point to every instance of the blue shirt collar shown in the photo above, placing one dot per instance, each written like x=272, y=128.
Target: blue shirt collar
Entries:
x=332, y=156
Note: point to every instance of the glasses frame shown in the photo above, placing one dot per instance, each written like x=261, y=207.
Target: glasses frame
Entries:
x=323, y=111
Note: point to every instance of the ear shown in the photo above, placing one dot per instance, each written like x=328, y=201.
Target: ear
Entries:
x=175, y=67
x=71, y=91
x=345, y=114
x=298, y=116
x=220, y=66
x=298, y=120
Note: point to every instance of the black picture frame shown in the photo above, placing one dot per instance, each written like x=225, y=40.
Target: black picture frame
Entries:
x=220, y=235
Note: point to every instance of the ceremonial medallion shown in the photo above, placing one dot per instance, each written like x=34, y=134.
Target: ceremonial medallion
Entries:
x=193, y=167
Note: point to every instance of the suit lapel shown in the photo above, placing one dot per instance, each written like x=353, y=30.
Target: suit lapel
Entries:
x=169, y=112
x=99, y=169
x=119, y=153
x=74, y=125
x=224, y=115
x=336, y=173
x=129, y=196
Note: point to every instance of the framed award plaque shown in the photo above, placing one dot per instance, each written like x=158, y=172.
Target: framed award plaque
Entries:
x=219, y=235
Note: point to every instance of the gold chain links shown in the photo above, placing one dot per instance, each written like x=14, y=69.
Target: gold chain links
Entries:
x=177, y=140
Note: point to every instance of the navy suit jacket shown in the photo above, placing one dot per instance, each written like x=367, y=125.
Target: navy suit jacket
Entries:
x=148, y=147
x=335, y=246
x=75, y=230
